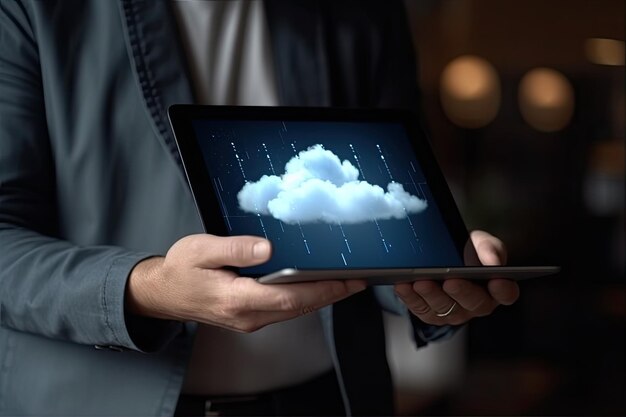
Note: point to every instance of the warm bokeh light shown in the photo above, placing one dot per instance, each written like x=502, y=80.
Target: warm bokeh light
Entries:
x=546, y=99
x=604, y=51
x=470, y=91
x=603, y=187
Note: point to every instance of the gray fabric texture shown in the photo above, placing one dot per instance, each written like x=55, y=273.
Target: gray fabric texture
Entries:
x=91, y=183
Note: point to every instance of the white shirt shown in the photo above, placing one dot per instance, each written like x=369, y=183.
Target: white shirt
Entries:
x=229, y=54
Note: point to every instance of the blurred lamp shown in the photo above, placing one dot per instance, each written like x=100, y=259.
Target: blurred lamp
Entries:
x=603, y=186
x=470, y=91
x=546, y=99
x=605, y=51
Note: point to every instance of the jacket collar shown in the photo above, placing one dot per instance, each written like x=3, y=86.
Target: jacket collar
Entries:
x=160, y=65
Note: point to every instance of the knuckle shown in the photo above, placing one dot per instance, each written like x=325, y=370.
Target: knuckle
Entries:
x=287, y=302
x=335, y=291
x=426, y=288
x=194, y=244
x=420, y=310
x=307, y=310
x=226, y=312
x=478, y=305
x=338, y=290
x=230, y=310
x=236, y=250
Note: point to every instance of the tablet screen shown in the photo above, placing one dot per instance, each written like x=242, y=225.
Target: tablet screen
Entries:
x=327, y=194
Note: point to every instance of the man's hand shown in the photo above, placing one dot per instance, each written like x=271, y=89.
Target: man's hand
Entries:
x=464, y=298
x=190, y=284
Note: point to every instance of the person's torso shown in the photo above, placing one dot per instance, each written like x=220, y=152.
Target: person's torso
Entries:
x=109, y=71
x=228, y=51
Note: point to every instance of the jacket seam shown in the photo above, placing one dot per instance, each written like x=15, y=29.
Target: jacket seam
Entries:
x=105, y=306
x=4, y=368
x=146, y=81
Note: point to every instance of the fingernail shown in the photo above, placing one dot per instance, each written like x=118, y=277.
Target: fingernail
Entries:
x=261, y=249
x=354, y=287
x=453, y=289
x=491, y=257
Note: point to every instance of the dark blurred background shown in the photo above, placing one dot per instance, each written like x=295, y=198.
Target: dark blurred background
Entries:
x=525, y=103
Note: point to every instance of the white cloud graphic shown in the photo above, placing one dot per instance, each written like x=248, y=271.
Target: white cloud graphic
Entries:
x=318, y=187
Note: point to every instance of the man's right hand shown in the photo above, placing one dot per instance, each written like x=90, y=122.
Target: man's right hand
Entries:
x=190, y=284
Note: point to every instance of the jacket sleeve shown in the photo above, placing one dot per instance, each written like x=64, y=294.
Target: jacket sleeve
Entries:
x=49, y=286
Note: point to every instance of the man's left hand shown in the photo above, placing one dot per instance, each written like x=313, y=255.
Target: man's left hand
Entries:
x=459, y=300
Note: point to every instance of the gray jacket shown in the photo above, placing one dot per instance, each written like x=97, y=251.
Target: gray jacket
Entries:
x=90, y=184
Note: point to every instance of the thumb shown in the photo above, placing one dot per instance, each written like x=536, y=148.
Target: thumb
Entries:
x=210, y=251
x=490, y=249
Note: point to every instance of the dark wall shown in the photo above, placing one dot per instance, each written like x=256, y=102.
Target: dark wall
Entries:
x=550, y=196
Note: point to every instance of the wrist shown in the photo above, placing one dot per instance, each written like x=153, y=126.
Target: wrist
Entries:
x=142, y=289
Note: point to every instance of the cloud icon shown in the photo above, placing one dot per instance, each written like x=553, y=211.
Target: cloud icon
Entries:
x=318, y=187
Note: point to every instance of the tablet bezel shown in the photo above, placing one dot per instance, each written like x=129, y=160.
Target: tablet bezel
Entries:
x=387, y=277
x=182, y=117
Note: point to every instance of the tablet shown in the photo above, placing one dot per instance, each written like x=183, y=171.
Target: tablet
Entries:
x=340, y=193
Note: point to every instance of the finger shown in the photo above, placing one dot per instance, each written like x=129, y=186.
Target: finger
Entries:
x=434, y=295
x=411, y=299
x=210, y=251
x=490, y=249
x=504, y=291
x=297, y=297
x=419, y=306
x=470, y=296
x=255, y=320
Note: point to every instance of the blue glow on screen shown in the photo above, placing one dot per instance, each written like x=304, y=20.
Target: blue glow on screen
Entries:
x=326, y=194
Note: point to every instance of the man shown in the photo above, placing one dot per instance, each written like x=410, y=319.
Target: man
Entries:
x=106, y=280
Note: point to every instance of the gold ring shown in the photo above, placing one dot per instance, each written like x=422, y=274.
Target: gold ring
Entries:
x=447, y=313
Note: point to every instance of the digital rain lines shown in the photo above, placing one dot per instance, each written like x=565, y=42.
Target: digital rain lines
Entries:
x=384, y=161
x=417, y=239
x=418, y=187
x=345, y=239
x=347, y=245
x=380, y=232
x=269, y=160
x=243, y=173
x=306, y=245
x=420, y=194
x=358, y=162
x=382, y=156
x=238, y=158
x=382, y=238
x=295, y=151
x=280, y=133
x=218, y=187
